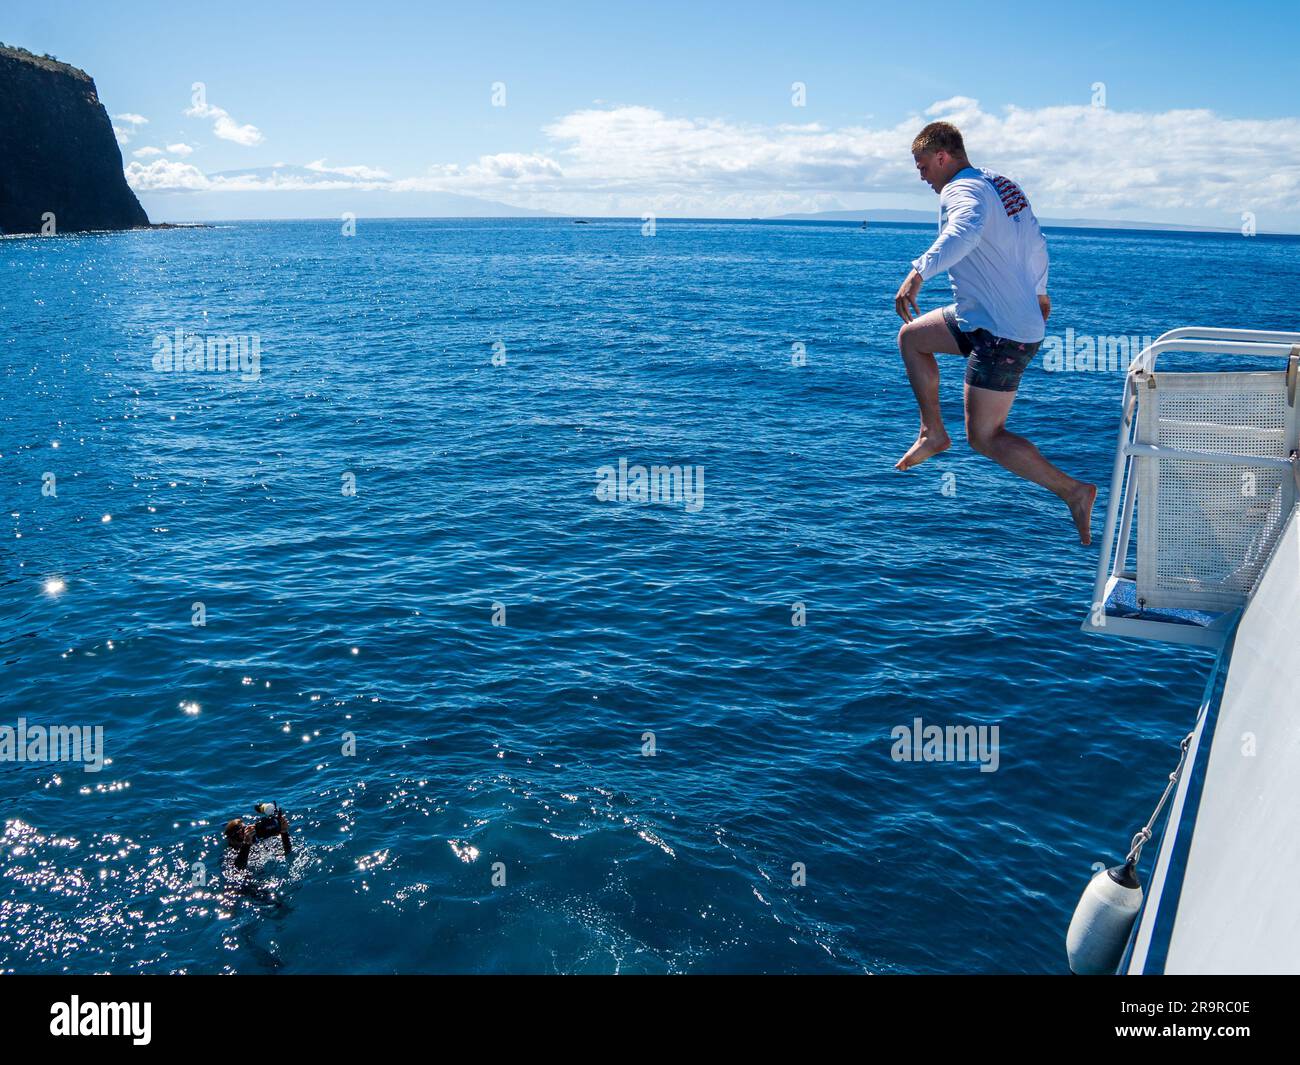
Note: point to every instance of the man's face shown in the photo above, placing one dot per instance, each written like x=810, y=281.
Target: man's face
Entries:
x=934, y=167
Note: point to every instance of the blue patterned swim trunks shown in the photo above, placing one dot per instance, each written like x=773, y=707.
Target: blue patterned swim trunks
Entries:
x=991, y=362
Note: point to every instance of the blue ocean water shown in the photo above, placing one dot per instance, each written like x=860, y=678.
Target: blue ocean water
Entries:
x=515, y=751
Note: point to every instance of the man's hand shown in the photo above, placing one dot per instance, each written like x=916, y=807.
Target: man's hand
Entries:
x=905, y=301
x=1045, y=305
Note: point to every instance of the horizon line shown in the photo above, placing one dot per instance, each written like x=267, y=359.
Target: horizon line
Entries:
x=1118, y=225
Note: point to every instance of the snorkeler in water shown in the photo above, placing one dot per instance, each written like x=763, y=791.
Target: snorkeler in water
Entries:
x=272, y=822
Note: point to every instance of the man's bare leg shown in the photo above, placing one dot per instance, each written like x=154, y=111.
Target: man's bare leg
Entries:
x=986, y=416
x=918, y=341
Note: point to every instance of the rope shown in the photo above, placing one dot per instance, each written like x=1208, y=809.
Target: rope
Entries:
x=1143, y=836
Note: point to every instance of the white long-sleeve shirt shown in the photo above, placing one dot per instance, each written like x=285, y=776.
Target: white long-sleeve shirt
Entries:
x=995, y=255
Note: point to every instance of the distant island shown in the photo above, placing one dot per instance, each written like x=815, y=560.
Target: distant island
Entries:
x=60, y=164
x=930, y=218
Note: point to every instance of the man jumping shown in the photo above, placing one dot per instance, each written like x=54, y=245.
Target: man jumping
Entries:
x=990, y=245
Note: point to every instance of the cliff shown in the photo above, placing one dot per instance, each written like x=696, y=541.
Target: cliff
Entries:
x=57, y=150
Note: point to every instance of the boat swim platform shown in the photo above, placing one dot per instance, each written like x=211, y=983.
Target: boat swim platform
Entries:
x=1123, y=616
x=1205, y=477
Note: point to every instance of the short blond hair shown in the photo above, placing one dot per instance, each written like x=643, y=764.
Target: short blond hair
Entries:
x=939, y=137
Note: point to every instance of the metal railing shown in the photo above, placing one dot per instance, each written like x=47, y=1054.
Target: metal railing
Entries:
x=1123, y=489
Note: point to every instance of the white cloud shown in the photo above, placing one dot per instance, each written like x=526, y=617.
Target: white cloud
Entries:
x=626, y=160
x=953, y=108
x=504, y=168
x=1074, y=161
x=166, y=175
x=226, y=127
x=361, y=173
x=130, y=126
x=174, y=149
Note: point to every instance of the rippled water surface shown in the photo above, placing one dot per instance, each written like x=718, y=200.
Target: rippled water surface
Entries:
x=515, y=750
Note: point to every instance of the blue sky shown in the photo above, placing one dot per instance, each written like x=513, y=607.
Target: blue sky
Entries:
x=686, y=108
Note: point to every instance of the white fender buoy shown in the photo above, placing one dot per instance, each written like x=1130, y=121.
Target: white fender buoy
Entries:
x=1102, y=921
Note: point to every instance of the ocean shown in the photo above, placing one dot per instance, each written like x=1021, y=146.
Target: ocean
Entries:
x=394, y=568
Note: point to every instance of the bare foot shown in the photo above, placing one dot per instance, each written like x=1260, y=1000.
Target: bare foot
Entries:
x=1080, y=504
x=927, y=444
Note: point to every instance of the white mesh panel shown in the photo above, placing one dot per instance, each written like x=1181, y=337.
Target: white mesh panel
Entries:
x=1205, y=530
